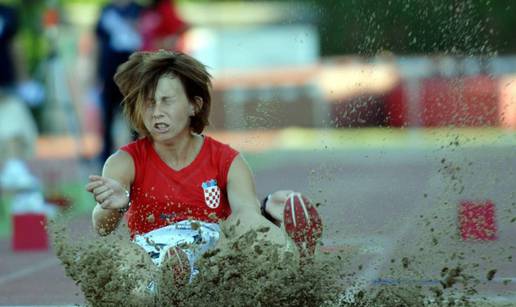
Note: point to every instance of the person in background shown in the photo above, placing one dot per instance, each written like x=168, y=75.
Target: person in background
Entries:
x=161, y=26
x=18, y=131
x=17, y=125
x=118, y=37
x=8, y=29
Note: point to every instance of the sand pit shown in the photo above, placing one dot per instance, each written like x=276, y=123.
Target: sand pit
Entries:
x=112, y=271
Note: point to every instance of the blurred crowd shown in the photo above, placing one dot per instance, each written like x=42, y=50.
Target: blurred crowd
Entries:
x=27, y=95
x=38, y=100
x=125, y=27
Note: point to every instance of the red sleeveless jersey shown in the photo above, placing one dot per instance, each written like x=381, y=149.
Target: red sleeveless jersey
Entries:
x=161, y=195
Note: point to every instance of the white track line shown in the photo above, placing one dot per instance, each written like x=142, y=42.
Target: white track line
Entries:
x=500, y=299
x=372, y=272
x=511, y=280
x=28, y=270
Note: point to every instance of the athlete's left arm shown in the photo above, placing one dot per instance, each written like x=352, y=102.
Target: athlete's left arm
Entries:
x=245, y=212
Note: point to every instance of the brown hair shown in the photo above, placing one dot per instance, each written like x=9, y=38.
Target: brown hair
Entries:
x=138, y=77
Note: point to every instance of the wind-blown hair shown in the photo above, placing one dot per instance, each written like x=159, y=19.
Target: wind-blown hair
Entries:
x=138, y=77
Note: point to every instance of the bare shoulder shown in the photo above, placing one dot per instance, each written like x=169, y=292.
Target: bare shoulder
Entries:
x=240, y=175
x=239, y=167
x=241, y=187
x=119, y=166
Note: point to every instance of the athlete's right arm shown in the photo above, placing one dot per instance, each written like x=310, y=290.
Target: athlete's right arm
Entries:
x=110, y=191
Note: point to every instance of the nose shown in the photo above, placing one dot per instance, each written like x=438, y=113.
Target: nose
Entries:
x=156, y=111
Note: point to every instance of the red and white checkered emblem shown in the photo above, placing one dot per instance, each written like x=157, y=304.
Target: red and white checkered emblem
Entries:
x=211, y=193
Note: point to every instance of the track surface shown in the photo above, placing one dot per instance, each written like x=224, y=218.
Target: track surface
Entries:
x=374, y=201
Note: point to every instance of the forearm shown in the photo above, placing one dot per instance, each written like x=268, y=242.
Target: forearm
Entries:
x=105, y=220
x=243, y=221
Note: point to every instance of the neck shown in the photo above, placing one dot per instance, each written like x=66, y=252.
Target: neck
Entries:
x=180, y=151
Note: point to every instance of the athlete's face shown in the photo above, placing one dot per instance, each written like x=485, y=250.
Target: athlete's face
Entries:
x=167, y=114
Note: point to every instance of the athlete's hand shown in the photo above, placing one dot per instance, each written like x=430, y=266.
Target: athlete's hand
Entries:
x=108, y=193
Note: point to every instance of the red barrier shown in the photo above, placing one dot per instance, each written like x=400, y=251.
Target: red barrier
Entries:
x=29, y=232
x=477, y=221
x=461, y=102
x=471, y=101
x=396, y=107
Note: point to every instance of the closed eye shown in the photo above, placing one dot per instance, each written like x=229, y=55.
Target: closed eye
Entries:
x=167, y=101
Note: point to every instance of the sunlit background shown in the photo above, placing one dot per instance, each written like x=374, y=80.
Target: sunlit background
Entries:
x=397, y=116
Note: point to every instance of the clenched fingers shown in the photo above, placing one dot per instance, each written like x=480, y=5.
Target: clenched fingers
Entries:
x=106, y=204
x=101, y=197
x=101, y=189
x=93, y=184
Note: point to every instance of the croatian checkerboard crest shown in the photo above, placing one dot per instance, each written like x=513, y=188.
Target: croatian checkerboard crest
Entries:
x=211, y=193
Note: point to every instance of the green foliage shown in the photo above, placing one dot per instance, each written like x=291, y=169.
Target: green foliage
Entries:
x=460, y=27
x=30, y=33
x=5, y=217
x=463, y=27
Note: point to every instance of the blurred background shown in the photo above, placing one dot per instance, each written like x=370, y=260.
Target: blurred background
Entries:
x=380, y=110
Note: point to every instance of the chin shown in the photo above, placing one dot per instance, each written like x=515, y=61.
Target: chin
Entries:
x=169, y=136
x=161, y=136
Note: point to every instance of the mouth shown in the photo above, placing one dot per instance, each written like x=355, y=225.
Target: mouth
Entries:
x=161, y=127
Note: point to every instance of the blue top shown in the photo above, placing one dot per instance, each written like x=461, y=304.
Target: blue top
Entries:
x=8, y=28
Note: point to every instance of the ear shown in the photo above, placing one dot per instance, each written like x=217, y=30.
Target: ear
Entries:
x=196, y=105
